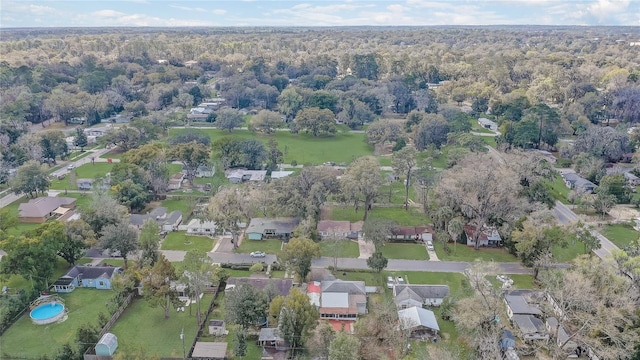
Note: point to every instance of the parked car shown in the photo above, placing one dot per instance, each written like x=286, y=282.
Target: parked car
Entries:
x=71, y=167
x=429, y=245
x=258, y=254
x=390, y=282
x=400, y=280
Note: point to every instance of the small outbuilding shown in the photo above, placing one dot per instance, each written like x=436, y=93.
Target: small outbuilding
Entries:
x=107, y=345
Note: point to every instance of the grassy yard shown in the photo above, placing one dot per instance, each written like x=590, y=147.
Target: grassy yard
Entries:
x=181, y=205
x=178, y=240
x=343, y=248
x=413, y=217
x=404, y=251
x=82, y=199
x=271, y=246
x=247, y=273
x=620, y=234
x=568, y=253
x=461, y=252
x=304, y=148
x=559, y=190
x=33, y=341
x=86, y=171
x=142, y=326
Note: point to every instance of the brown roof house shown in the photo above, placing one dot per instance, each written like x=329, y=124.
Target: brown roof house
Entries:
x=339, y=229
x=40, y=209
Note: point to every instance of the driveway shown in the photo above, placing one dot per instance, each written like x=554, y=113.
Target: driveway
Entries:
x=367, y=248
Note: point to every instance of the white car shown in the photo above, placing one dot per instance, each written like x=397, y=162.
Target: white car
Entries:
x=390, y=282
x=258, y=254
x=429, y=245
x=71, y=167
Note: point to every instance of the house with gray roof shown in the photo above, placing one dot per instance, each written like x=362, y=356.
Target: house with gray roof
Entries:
x=563, y=339
x=262, y=228
x=576, y=182
x=270, y=338
x=418, y=321
x=523, y=302
x=166, y=221
x=342, y=300
x=98, y=277
x=406, y=296
x=530, y=327
x=238, y=176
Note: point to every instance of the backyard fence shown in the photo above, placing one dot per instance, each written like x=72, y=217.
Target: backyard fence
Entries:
x=116, y=315
x=215, y=292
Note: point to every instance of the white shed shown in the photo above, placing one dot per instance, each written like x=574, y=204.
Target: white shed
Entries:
x=107, y=345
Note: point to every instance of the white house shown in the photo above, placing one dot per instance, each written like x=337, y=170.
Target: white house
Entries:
x=406, y=296
x=201, y=227
x=205, y=171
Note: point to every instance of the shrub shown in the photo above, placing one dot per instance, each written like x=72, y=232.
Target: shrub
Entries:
x=257, y=267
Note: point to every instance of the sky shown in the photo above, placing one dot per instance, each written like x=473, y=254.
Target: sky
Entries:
x=179, y=13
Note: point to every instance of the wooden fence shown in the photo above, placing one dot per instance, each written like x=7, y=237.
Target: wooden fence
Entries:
x=90, y=354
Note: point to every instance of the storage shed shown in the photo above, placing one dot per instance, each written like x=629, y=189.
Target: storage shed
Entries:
x=107, y=345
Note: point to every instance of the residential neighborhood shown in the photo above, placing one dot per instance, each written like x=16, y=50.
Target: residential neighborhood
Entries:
x=329, y=193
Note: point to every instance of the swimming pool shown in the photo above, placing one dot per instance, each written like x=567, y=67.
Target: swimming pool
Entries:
x=47, y=313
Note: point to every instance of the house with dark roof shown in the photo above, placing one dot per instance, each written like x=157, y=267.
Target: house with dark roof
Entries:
x=166, y=221
x=217, y=328
x=263, y=228
x=524, y=312
x=98, y=277
x=270, y=338
x=418, y=321
x=40, y=209
x=204, y=171
x=577, y=182
x=283, y=286
x=406, y=296
x=413, y=233
x=342, y=300
x=238, y=176
x=563, y=339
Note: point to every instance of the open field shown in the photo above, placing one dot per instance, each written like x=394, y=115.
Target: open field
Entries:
x=620, y=234
x=32, y=341
x=413, y=217
x=86, y=171
x=342, y=248
x=461, y=252
x=160, y=336
x=404, y=251
x=304, y=148
x=179, y=240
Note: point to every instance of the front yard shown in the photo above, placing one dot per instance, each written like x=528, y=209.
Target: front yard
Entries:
x=413, y=217
x=341, y=248
x=86, y=171
x=620, y=234
x=27, y=340
x=179, y=240
x=404, y=251
x=462, y=252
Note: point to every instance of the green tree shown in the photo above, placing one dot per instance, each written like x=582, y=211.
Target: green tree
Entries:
x=266, y=121
x=615, y=185
x=156, y=282
x=289, y=103
x=361, y=183
x=403, y=162
x=86, y=337
x=132, y=195
x=379, y=231
x=274, y=155
x=433, y=129
x=535, y=240
x=81, y=140
x=104, y=210
x=317, y=121
x=586, y=237
x=240, y=344
x=383, y=131
x=149, y=241
x=78, y=238
x=297, y=256
x=120, y=238
x=191, y=155
x=7, y=220
x=34, y=254
x=31, y=178
x=228, y=208
x=377, y=261
x=344, y=347
x=199, y=272
x=245, y=306
x=297, y=317
x=320, y=340
x=229, y=119
x=603, y=202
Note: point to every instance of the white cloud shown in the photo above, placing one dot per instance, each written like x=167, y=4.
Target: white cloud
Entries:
x=187, y=8
x=219, y=11
x=604, y=8
x=107, y=13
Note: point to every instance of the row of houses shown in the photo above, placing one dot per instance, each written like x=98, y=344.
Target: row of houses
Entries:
x=205, y=109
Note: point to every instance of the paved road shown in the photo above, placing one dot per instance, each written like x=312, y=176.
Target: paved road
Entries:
x=351, y=263
x=564, y=215
x=607, y=249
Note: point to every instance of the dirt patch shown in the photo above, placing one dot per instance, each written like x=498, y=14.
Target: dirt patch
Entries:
x=624, y=213
x=325, y=213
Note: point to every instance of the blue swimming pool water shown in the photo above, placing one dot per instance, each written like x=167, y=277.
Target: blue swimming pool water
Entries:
x=47, y=311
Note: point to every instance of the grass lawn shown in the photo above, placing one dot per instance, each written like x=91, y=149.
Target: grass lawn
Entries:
x=404, y=251
x=620, y=234
x=142, y=326
x=559, y=190
x=523, y=281
x=271, y=246
x=303, y=148
x=568, y=253
x=86, y=171
x=461, y=252
x=247, y=273
x=343, y=248
x=181, y=205
x=82, y=199
x=113, y=154
x=32, y=341
x=413, y=217
x=178, y=240
x=489, y=140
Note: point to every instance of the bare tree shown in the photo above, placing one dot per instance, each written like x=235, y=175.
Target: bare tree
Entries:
x=403, y=162
x=361, y=183
x=228, y=208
